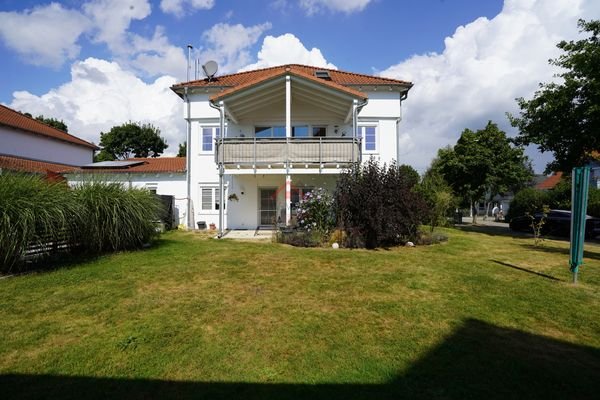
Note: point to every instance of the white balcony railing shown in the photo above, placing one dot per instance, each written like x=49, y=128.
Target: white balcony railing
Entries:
x=258, y=151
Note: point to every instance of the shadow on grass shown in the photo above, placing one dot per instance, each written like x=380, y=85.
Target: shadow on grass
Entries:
x=478, y=360
x=75, y=259
x=492, y=230
x=546, y=249
x=525, y=270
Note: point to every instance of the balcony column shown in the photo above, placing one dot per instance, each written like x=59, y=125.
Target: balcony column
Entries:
x=288, y=200
x=288, y=106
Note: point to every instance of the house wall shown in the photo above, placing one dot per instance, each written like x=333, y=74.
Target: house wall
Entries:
x=243, y=213
x=170, y=184
x=28, y=145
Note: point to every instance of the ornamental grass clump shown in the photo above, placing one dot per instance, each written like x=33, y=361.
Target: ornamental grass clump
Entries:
x=34, y=214
x=116, y=218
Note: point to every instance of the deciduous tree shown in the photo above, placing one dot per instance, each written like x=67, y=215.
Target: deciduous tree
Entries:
x=483, y=164
x=564, y=117
x=131, y=139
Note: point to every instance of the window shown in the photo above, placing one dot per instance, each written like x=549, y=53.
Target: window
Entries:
x=152, y=187
x=300, y=131
x=269, y=131
x=319, y=131
x=208, y=136
x=210, y=198
x=369, y=138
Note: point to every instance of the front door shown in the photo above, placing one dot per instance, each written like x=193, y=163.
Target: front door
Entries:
x=267, y=214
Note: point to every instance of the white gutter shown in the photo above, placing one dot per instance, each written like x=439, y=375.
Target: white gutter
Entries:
x=188, y=161
x=221, y=108
x=403, y=96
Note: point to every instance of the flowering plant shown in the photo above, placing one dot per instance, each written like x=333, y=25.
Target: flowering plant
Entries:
x=315, y=212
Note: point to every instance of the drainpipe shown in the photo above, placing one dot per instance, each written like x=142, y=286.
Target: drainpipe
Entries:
x=221, y=108
x=403, y=96
x=188, y=154
x=356, y=107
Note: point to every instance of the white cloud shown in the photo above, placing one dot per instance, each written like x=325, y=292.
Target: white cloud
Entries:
x=101, y=95
x=179, y=8
x=112, y=19
x=287, y=49
x=485, y=65
x=44, y=35
x=230, y=45
x=345, y=6
x=156, y=55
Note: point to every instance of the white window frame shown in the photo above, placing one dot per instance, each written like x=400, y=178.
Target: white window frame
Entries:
x=362, y=134
x=214, y=129
x=214, y=189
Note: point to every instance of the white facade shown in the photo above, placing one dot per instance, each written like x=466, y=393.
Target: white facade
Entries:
x=263, y=177
x=169, y=183
x=25, y=144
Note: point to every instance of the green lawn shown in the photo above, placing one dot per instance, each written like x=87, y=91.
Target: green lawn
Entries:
x=481, y=316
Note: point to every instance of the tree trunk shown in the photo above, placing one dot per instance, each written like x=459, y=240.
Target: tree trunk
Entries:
x=474, y=212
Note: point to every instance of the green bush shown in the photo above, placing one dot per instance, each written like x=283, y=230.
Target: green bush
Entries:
x=33, y=212
x=116, y=218
x=594, y=203
x=377, y=206
x=299, y=238
x=528, y=201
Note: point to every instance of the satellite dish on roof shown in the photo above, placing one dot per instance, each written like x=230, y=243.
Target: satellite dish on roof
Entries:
x=210, y=69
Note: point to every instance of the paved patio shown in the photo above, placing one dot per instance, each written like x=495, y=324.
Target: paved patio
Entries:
x=258, y=234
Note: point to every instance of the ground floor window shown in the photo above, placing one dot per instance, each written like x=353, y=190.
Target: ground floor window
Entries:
x=210, y=198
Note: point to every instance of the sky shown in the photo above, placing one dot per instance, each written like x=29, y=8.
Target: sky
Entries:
x=99, y=63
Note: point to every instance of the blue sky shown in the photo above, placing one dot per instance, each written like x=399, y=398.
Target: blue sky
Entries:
x=98, y=63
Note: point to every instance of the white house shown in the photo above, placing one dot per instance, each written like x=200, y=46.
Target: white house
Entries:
x=287, y=129
x=28, y=145
x=162, y=176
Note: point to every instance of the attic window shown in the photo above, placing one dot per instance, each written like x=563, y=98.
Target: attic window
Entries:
x=322, y=74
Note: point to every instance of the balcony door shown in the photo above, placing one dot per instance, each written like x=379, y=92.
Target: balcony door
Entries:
x=267, y=212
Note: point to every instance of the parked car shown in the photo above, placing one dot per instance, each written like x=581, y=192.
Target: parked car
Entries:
x=557, y=223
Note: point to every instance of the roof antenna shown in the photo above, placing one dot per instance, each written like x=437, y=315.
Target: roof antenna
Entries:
x=210, y=69
x=190, y=47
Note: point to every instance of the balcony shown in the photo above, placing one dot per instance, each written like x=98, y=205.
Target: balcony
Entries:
x=321, y=152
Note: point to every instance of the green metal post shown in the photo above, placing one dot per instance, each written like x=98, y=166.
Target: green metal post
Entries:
x=579, y=196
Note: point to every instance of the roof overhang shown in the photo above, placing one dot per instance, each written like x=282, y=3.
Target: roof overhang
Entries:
x=242, y=102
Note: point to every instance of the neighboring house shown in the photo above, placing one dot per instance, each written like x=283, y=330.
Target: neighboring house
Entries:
x=162, y=176
x=550, y=182
x=287, y=130
x=28, y=145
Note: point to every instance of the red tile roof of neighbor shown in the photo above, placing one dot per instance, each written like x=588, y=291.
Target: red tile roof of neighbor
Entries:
x=18, y=164
x=147, y=165
x=339, y=80
x=550, y=182
x=15, y=119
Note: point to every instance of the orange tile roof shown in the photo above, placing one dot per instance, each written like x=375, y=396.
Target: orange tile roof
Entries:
x=550, y=182
x=340, y=80
x=19, y=164
x=150, y=165
x=15, y=119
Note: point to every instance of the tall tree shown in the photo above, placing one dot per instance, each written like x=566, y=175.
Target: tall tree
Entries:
x=182, y=150
x=564, y=118
x=131, y=139
x=483, y=164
